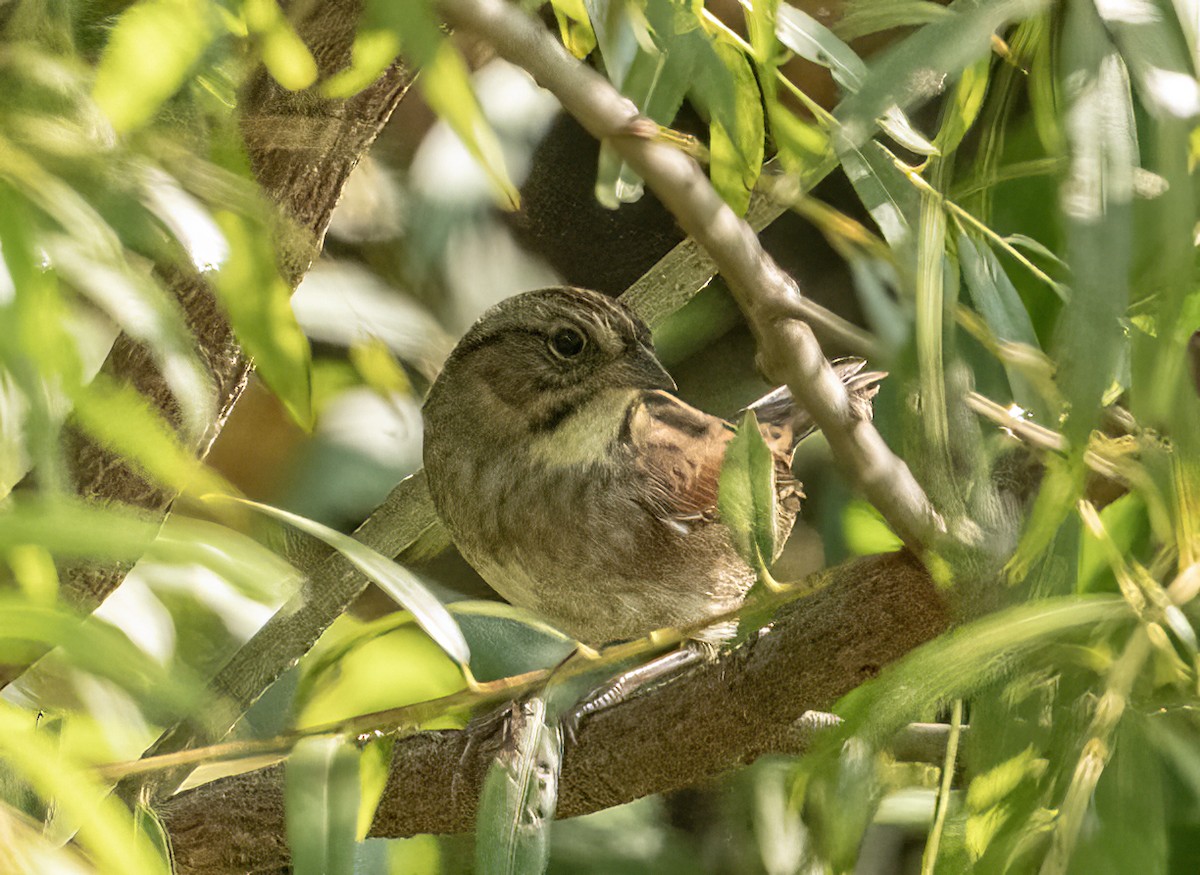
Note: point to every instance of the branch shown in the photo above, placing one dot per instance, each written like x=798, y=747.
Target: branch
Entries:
x=769, y=298
x=870, y=612
x=302, y=148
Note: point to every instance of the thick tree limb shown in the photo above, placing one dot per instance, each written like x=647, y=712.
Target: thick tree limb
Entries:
x=720, y=715
x=769, y=298
x=302, y=148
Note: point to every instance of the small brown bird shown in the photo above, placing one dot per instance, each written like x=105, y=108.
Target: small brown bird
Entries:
x=577, y=487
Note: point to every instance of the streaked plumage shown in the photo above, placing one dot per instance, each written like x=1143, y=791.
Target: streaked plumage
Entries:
x=579, y=488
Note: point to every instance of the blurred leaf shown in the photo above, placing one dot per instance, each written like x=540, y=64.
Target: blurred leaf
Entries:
x=862, y=17
x=373, y=767
x=520, y=793
x=866, y=531
x=146, y=312
x=1096, y=201
x=746, y=495
x=256, y=299
x=995, y=297
x=575, y=26
x=379, y=369
x=77, y=528
x=322, y=799
x=398, y=582
x=889, y=197
x=1126, y=523
x=916, y=69
x=961, y=661
x=102, y=650
x=121, y=419
x=149, y=54
x=106, y=829
x=283, y=52
x=35, y=574
x=351, y=672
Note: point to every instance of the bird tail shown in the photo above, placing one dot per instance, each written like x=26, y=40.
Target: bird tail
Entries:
x=779, y=408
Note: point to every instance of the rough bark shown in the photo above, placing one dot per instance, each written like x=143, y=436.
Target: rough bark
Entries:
x=302, y=148
x=872, y=612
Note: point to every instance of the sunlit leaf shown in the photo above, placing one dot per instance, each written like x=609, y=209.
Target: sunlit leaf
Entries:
x=121, y=419
x=322, y=799
x=736, y=135
x=746, y=496
x=257, y=301
x=575, y=26
x=398, y=582
x=283, y=52
x=149, y=53
x=373, y=768
x=106, y=829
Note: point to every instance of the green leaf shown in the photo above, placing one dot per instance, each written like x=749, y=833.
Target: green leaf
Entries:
x=397, y=581
x=149, y=54
x=997, y=300
x=866, y=531
x=1096, y=202
x=283, y=52
x=575, y=26
x=916, y=69
x=120, y=418
x=962, y=661
x=863, y=18
x=507, y=641
x=258, y=303
x=746, y=494
x=105, y=827
x=373, y=769
x=736, y=134
x=519, y=796
x=890, y=198
x=445, y=82
x=322, y=796
x=814, y=42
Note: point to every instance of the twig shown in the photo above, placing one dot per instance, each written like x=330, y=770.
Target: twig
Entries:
x=767, y=295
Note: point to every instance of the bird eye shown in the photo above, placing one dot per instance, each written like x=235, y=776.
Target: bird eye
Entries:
x=567, y=343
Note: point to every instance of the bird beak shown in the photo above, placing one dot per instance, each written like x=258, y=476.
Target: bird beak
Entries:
x=646, y=371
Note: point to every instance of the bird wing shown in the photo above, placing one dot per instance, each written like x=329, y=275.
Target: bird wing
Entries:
x=678, y=451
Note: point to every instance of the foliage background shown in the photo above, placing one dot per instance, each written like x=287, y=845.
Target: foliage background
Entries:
x=1020, y=223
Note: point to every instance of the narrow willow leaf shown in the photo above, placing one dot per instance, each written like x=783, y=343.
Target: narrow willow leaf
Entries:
x=106, y=828
x=736, y=133
x=149, y=54
x=997, y=300
x=917, y=68
x=1096, y=201
x=77, y=529
x=507, y=641
x=283, y=52
x=746, y=494
x=861, y=19
x=889, y=197
x=120, y=418
x=398, y=582
x=964, y=106
x=963, y=660
x=373, y=770
x=146, y=312
x=520, y=794
x=258, y=303
x=322, y=797
x=575, y=26
x=814, y=42
x=101, y=650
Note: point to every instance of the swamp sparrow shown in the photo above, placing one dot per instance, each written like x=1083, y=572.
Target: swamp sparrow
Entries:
x=577, y=486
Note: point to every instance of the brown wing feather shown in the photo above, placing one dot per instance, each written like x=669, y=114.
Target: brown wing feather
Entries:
x=678, y=451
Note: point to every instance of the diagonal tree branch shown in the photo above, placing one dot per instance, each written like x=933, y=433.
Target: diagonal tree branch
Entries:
x=870, y=612
x=302, y=148
x=769, y=298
